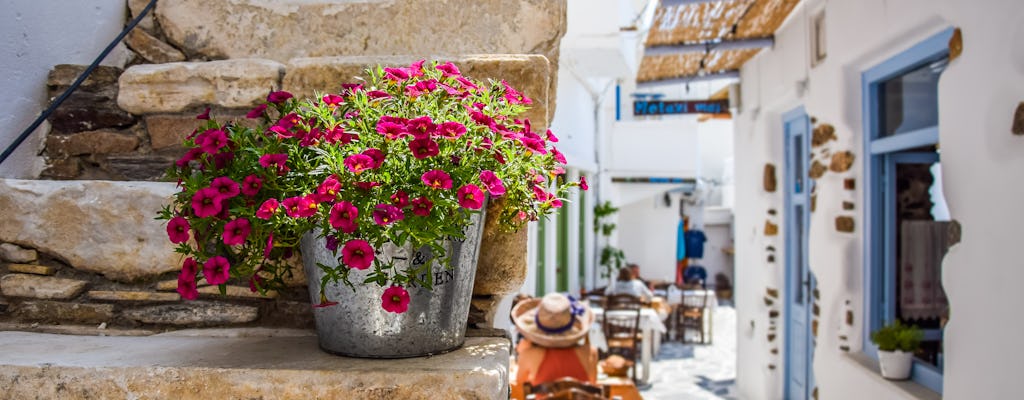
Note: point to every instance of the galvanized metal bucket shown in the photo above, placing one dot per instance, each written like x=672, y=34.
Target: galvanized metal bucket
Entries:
x=359, y=327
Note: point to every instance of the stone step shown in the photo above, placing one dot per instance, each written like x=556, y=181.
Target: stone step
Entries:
x=44, y=366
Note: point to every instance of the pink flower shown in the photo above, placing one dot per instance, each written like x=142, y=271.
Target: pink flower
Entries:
x=421, y=127
x=337, y=134
x=205, y=114
x=226, y=187
x=357, y=254
x=391, y=130
x=177, y=230
x=451, y=130
x=212, y=140
x=416, y=68
x=583, y=183
x=421, y=206
x=535, y=145
x=267, y=209
x=481, y=118
x=333, y=99
x=396, y=74
x=278, y=97
x=221, y=160
x=187, y=280
x=299, y=207
x=328, y=189
x=558, y=155
x=471, y=197
x=217, y=270
x=277, y=160
x=385, y=214
x=366, y=185
x=331, y=243
x=324, y=303
x=513, y=96
x=378, y=94
x=351, y=87
x=236, y=231
x=190, y=155
x=376, y=155
x=494, y=184
x=448, y=69
x=358, y=163
x=551, y=136
x=269, y=247
x=256, y=112
x=251, y=185
x=400, y=199
x=395, y=299
x=206, y=202
x=466, y=83
x=343, y=217
x=437, y=179
x=423, y=148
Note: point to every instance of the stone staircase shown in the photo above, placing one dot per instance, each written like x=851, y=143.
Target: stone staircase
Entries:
x=83, y=254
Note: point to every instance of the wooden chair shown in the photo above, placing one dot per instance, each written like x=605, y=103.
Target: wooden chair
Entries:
x=690, y=315
x=565, y=389
x=621, y=327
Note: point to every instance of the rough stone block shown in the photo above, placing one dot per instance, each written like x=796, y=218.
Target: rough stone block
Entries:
x=844, y=224
x=148, y=22
x=169, y=285
x=31, y=269
x=823, y=134
x=175, y=87
x=152, y=49
x=193, y=313
x=1018, y=120
x=817, y=170
x=293, y=314
x=62, y=168
x=841, y=161
x=40, y=287
x=527, y=73
x=119, y=295
x=72, y=220
x=102, y=80
x=81, y=330
x=237, y=292
x=770, y=229
x=170, y=130
x=11, y=252
x=52, y=311
x=770, y=181
x=91, y=142
x=139, y=167
x=71, y=118
x=42, y=366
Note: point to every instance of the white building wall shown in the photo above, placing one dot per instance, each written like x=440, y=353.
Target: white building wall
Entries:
x=36, y=37
x=982, y=176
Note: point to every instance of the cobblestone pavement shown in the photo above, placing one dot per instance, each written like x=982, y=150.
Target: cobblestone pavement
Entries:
x=689, y=371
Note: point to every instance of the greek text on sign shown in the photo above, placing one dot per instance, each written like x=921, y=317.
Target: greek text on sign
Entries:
x=659, y=107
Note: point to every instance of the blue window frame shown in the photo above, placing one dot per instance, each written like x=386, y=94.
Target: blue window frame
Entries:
x=899, y=120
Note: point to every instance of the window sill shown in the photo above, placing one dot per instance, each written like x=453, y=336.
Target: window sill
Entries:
x=910, y=389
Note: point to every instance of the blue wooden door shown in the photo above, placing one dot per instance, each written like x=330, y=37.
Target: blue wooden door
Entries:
x=799, y=280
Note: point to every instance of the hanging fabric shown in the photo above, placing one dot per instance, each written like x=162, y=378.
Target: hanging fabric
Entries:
x=922, y=245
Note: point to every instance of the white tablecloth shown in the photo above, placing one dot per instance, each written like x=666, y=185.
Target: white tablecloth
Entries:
x=650, y=324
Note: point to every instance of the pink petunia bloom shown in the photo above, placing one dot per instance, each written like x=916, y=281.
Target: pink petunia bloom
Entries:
x=421, y=206
x=269, y=247
x=357, y=254
x=366, y=185
x=333, y=100
x=391, y=130
x=466, y=83
x=416, y=68
x=212, y=140
x=396, y=74
x=187, y=279
x=481, y=118
x=535, y=145
x=251, y=185
x=385, y=214
x=331, y=243
x=191, y=154
x=451, y=130
x=205, y=115
x=217, y=270
x=256, y=112
x=494, y=184
x=177, y=230
x=277, y=160
x=358, y=163
x=299, y=207
x=513, y=96
x=343, y=217
x=351, y=87
x=558, y=155
x=448, y=69
x=226, y=187
x=206, y=202
x=328, y=189
x=471, y=197
x=437, y=179
x=336, y=135
x=421, y=127
x=236, y=231
x=583, y=183
x=376, y=155
x=221, y=160
x=324, y=303
x=278, y=97
x=267, y=209
x=423, y=148
x=395, y=299
x=551, y=137
x=400, y=199
x=378, y=94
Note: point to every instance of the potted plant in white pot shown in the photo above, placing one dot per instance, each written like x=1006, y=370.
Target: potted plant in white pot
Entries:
x=896, y=345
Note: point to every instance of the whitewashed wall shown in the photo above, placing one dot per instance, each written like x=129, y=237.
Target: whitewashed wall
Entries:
x=983, y=177
x=35, y=38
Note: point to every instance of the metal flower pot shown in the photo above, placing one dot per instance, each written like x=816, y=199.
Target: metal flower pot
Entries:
x=359, y=327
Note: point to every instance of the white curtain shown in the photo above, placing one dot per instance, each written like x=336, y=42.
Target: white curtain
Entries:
x=923, y=244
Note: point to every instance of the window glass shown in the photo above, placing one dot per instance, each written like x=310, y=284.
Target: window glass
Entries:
x=910, y=101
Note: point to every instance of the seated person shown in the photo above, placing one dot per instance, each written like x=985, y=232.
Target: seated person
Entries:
x=627, y=284
x=695, y=276
x=556, y=345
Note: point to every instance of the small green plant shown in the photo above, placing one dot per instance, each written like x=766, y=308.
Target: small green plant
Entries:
x=897, y=336
x=612, y=258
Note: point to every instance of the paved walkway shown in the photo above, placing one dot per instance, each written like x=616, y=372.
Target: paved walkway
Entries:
x=697, y=371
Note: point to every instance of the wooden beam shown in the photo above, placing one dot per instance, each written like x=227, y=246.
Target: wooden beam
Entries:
x=669, y=3
x=709, y=46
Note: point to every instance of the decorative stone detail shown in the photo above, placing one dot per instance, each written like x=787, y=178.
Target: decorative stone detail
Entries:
x=240, y=83
x=31, y=269
x=238, y=292
x=772, y=292
x=770, y=229
x=53, y=311
x=16, y=254
x=953, y=231
x=850, y=184
x=770, y=181
x=73, y=220
x=1018, y=120
x=822, y=134
x=817, y=170
x=956, y=44
x=91, y=142
x=841, y=161
x=844, y=224
x=40, y=287
x=848, y=205
x=193, y=313
x=118, y=295
x=152, y=49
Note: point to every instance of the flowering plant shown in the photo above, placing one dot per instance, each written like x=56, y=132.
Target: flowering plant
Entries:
x=405, y=156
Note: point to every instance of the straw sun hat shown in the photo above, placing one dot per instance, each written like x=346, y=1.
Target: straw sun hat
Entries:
x=552, y=321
